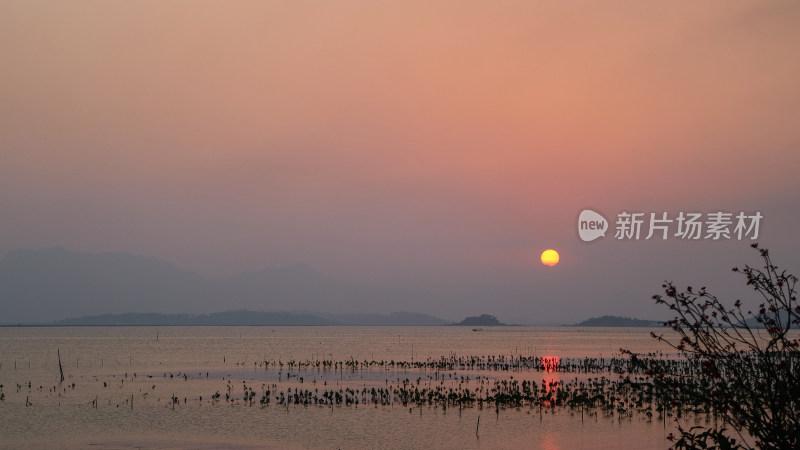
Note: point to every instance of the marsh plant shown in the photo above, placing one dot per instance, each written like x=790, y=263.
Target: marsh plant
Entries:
x=744, y=363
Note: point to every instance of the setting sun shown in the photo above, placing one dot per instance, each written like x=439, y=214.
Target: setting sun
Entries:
x=550, y=257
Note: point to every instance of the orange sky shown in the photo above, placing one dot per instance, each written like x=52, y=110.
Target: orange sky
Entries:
x=445, y=143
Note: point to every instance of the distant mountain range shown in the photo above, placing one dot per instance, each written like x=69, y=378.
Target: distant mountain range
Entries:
x=51, y=285
x=42, y=286
x=617, y=321
x=252, y=318
x=260, y=318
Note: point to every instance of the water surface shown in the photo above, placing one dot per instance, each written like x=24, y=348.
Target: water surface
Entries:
x=127, y=379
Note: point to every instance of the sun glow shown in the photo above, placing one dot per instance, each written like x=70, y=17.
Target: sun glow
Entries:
x=550, y=257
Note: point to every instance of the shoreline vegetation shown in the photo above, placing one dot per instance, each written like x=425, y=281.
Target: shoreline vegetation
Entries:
x=743, y=360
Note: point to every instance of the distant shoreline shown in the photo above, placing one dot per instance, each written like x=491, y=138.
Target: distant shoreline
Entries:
x=483, y=327
x=246, y=318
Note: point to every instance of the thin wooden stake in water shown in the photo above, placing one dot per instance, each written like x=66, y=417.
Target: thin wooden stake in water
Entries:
x=478, y=426
x=60, y=369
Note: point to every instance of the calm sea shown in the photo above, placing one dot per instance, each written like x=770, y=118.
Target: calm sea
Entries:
x=134, y=387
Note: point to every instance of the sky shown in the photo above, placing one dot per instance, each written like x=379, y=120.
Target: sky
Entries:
x=436, y=145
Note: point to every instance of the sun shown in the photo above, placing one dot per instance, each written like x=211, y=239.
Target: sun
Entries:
x=550, y=257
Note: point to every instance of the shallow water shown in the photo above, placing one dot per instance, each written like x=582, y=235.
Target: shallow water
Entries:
x=125, y=379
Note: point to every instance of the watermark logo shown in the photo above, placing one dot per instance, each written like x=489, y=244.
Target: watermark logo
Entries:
x=591, y=225
x=686, y=226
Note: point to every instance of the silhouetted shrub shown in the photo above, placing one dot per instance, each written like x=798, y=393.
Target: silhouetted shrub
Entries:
x=742, y=364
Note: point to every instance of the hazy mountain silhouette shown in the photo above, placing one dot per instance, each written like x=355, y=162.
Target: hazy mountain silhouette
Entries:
x=54, y=283
x=482, y=320
x=400, y=318
x=41, y=286
x=617, y=321
x=252, y=318
x=301, y=287
x=242, y=317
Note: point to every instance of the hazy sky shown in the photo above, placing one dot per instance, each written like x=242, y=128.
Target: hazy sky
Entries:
x=441, y=145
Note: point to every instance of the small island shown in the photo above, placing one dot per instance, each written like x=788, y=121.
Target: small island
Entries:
x=617, y=321
x=484, y=320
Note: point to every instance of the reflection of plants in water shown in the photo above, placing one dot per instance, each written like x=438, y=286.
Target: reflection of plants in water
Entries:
x=550, y=366
x=550, y=363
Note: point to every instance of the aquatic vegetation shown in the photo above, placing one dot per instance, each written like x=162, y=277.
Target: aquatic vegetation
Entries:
x=614, y=387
